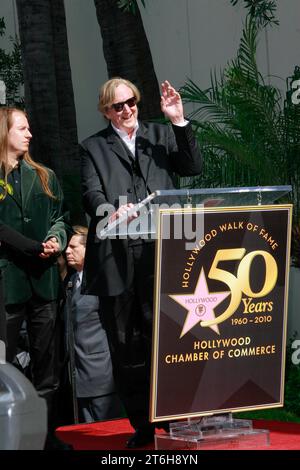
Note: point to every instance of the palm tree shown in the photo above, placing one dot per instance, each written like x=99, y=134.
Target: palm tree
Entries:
x=127, y=53
x=11, y=72
x=49, y=97
x=250, y=134
x=261, y=11
x=130, y=5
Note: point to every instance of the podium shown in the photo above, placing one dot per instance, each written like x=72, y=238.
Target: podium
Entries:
x=220, y=310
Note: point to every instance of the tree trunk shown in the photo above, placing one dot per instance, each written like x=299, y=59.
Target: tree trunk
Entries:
x=127, y=53
x=49, y=97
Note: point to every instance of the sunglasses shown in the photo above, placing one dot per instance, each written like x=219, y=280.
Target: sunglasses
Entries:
x=131, y=102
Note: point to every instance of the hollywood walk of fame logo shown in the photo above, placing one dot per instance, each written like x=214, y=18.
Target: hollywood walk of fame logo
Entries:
x=200, y=310
x=200, y=305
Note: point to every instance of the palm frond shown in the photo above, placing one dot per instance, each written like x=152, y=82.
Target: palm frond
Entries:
x=246, y=57
x=208, y=101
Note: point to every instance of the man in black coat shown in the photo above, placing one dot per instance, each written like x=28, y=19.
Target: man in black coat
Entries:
x=131, y=159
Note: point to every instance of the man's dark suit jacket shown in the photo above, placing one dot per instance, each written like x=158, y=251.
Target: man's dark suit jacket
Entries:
x=107, y=174
x=92, y=357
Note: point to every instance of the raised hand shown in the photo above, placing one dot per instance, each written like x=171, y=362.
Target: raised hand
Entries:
x=171, y=104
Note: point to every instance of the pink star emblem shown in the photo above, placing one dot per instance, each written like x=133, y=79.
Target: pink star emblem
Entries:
x=200, y=305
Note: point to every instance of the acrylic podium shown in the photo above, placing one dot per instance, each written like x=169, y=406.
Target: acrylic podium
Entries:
x=220, y=310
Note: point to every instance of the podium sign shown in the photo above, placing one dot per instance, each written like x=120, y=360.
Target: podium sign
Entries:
x=220, y=317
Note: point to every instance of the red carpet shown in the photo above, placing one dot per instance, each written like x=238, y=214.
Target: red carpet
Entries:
x=113, y=434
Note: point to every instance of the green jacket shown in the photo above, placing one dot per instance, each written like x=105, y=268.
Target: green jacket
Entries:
x=39, y=217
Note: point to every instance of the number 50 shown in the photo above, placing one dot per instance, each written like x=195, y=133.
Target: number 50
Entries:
x=241, y=283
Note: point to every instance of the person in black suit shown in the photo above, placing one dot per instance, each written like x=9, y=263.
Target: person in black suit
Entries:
x=94, y=384
x=22, y=245
x=132, y=159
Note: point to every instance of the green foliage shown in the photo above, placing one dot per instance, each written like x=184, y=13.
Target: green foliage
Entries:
x=291, y=410
x=292, y=381
x=249, y=132
x=274, y=414
x=130, y=5
x=262, y=11
x=296, y=245
x=11, y=71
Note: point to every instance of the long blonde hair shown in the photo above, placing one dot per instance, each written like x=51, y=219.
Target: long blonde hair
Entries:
x=6, y=119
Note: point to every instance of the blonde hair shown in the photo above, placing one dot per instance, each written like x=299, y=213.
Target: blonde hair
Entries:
x=107, y=92
x=80, y=231
x=6, y=120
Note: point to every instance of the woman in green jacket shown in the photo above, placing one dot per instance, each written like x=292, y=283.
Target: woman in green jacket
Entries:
x=31, y=202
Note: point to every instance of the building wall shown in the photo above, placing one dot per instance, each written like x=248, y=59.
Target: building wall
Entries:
x=188, y=39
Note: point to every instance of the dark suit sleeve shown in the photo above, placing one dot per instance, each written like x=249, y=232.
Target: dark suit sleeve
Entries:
x=184, y=151
x=16, y=240
x=92, y=189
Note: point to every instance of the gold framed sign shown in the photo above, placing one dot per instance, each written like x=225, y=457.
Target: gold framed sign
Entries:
x=219, y=333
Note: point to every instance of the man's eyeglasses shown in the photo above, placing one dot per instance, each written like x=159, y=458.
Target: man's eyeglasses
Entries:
x=131, y=102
